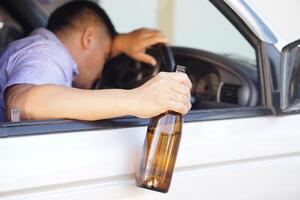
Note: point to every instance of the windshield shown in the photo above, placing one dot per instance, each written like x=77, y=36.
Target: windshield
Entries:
x=195, y=24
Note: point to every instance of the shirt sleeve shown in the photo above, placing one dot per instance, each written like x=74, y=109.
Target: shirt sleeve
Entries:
x=38, y=70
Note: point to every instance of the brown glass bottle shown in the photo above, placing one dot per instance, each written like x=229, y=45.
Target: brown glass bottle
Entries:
x=160, y=150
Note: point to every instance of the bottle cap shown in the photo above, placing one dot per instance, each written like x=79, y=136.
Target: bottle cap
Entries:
x=180, y=68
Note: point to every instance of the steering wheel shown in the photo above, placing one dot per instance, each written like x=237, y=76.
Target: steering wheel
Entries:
x=126, y=73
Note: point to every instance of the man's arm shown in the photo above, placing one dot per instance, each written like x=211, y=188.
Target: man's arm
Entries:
x=166, y=91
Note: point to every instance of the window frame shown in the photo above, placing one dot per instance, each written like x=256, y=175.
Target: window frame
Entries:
x=29, y=128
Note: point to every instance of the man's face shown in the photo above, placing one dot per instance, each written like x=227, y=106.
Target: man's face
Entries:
x=95, y=58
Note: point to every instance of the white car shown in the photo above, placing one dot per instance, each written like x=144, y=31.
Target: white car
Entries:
x=240, y=141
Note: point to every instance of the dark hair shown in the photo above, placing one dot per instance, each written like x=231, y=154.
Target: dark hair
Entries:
x=67, y=13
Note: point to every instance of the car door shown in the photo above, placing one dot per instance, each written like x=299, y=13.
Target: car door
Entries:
x=228, y=153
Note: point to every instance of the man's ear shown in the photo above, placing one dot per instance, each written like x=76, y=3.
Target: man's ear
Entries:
x=88, y=37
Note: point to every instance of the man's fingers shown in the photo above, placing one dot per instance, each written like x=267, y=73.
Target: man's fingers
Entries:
x=148, y=32
x=147, y=42
x=143, y=57
x=181, y=89
x=179, y=77
x=154, y=35
x=179, y=107
x=151, y=32
x=180, y=98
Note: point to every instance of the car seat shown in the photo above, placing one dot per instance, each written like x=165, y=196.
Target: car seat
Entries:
x=8, y=33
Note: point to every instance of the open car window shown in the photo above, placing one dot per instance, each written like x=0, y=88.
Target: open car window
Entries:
x=223, y=63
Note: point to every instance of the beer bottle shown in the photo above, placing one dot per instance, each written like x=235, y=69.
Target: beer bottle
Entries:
x=160, y=150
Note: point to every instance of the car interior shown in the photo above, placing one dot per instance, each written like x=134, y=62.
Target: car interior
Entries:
x=218, y=81
x=9, y=29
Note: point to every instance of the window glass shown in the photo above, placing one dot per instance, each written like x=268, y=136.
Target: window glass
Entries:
x=189, y=23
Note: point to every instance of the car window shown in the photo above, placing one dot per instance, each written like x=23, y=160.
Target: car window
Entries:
x=190, y=24
x=195, y=24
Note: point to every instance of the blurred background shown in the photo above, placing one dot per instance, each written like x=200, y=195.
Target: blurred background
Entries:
x=166, y=14
x=283, y=15
x=196, y=23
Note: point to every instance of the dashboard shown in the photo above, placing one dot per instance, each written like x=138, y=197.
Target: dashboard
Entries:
x=218, y=82
x=205, y=86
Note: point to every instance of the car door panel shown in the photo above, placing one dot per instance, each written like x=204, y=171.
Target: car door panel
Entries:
x=103, y=161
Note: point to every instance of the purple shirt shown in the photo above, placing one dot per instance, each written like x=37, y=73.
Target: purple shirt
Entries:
x=38, y=59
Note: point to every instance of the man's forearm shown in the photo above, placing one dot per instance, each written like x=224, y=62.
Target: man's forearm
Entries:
x=52, y=101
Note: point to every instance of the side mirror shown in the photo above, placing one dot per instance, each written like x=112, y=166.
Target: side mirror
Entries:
x=290, y=77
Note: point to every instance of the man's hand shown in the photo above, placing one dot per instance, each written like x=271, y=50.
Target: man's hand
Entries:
x=164, y=92
x=135, y=43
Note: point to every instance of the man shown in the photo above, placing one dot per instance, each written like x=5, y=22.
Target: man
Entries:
x=38, y=72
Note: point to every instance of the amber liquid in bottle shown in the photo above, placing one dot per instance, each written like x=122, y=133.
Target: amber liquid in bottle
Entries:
x=160, y=151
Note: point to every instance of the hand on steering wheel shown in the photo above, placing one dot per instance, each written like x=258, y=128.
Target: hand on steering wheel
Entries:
x=135, y=43
x=126, y=73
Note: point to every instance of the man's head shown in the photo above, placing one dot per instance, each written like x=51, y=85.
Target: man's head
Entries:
x=87, y=32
